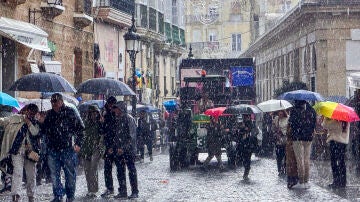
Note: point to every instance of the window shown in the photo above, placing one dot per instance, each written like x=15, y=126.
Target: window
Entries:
x=236, y=42
x=196, y=35
x=212, y=37
x=174, y=12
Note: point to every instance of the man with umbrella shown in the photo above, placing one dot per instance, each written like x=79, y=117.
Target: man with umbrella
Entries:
x=60, y=125
x=302, y=124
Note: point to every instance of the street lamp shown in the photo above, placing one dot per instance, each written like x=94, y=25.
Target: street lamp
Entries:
x=132, y=41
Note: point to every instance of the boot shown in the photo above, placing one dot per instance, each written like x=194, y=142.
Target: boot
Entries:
x=31, y=199
x=246, y=174
x=16, y=197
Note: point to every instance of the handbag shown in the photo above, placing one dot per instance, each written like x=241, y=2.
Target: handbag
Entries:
x=280, y=138
x=30, y=153
x=33, y=156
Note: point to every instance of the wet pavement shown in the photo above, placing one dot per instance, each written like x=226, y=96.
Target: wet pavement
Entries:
x=157, y=183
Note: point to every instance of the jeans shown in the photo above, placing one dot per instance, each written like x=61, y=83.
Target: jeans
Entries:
x=280, y=158
x=120, y=168
x=129, y=159
x=244, y=156
x=149, y=145
x=302, y=151
x=20, y=163
x=67, y=160
x=338, y=166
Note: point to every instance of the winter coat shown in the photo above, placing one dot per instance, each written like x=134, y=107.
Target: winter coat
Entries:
x=12, y=125
x=117, y=135
x=279, y=128
x=337, y=131
x=60, y=128
x=302, y=123
x=92, y=139
x=213, y=138
x=143, y=129
x=243, y=130
x=132, y=129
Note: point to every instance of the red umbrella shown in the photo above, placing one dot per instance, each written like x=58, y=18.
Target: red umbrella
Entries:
x=215, y=112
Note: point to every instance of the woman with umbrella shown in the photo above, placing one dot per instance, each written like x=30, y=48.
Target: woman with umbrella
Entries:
x=280, y=125
x=338, y=138
x=337, y=127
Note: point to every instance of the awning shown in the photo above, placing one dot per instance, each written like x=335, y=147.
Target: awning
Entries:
x=24, y=33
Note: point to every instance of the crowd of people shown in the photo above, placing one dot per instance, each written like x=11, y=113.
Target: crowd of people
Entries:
x=292, y=133
x=115, y=136
x=53, y=141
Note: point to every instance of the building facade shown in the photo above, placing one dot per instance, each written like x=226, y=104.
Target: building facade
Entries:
x=218, y=29
x=316, y=43
x=52, y=37
x=163, y=44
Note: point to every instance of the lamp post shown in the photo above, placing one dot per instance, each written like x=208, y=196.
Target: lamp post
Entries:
x=132, y=41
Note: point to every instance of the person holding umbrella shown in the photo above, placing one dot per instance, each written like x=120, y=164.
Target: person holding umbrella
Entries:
x=302, y=124
x=280, y=125
x=338, y=138
x=336, y=124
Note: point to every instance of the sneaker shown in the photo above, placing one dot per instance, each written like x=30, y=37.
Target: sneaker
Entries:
x=5, y=191
x=298, y=186
x=57, y=199
x=307, y=185
x=246, y=177
x=107, y=194
x=16, y=197
x=121, y=196
x=91, y=195
x=31, y=199
x=141, y=160
x=133, y=195
x=151, y=158
x=70, y=199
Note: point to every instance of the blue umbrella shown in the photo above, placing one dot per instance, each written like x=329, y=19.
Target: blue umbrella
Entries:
x=170, y=105
x=301, y=95
x=6, y=99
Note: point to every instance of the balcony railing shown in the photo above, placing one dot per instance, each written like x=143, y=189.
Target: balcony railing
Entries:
x=331, y=2
x=127, y=6
x=193, y=19
x=214, y=45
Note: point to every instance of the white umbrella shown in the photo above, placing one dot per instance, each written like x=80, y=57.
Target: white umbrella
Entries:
x=274, y=105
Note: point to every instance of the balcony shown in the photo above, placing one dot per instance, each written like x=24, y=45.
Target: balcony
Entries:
x=117, y=12
x=52, y=8
x=331, y=2
x=82, y=15
x=15, y=2
x=214, y=45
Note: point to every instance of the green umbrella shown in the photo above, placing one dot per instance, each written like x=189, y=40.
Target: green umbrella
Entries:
x=201, y=118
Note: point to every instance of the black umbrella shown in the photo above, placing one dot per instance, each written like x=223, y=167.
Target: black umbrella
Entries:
x=104, y=86
x=42, y=82
x=242, y=109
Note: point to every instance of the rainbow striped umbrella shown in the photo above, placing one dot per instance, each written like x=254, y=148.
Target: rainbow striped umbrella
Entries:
x=336, y=111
